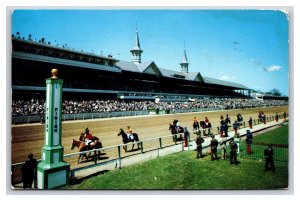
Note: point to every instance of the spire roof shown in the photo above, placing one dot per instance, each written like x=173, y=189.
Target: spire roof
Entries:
x=184, y=58
x=136, y=45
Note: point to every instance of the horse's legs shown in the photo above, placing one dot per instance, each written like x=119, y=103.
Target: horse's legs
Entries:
x=78, y=158
x=125, y=148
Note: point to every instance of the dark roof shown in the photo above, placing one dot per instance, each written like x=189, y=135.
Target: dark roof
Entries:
x=209, y=80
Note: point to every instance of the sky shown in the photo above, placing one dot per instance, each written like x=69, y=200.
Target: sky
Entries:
x=250, y=47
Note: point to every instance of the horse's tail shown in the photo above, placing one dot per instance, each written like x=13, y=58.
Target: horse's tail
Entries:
x=136, y=137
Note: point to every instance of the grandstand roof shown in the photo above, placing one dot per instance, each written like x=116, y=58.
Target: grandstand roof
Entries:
x=68, y=62
x=151, y=68
x=209, y=80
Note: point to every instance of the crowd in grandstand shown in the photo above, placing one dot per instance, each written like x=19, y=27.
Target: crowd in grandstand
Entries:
x=36, y=107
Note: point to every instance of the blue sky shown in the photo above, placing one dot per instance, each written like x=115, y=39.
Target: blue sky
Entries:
x=244, y=46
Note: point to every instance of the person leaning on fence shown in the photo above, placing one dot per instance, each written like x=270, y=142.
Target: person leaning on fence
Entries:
x=284, y=116
x=213, y=145
x=199, y=141
x=250, y=122
x=235, y=127
x=249, y=138
x=28, y=171
x=269, y=157
x=276, y=117
x=223, y=148
x=186, y=137
x=233, y=149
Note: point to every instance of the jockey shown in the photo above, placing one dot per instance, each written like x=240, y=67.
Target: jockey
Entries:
x=195, y=119
x=227, y=120
x=177, y=126
x=239, y=117
x=206, y=121
x=88, y=137
x=129, y=133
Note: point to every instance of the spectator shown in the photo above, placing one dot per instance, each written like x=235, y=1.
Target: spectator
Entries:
x=233, y=150
x=250, y=122
x=29, y=171
x=213, y=145
x=249, y=138
x=186, y=137
x=199, y=141
x=269, y=157
x=223, y=148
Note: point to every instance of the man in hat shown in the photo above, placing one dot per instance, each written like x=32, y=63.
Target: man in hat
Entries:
x=213, y=145
x=28, y=171
x=199, y=141
x=233, y=149
x=276, y=117
x=235, y=127
x=249, y=141
x=269, y=157
x=250, y=122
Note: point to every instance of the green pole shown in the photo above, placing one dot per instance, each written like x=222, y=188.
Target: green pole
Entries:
x=52, y=171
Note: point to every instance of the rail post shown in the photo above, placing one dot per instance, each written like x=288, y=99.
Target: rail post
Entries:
x=119, y=156
x=218, y=129
x=142, y=148
x=244, y=124
x=95, y=157
x=160, y=143
x=182, y=145
x=254, y=122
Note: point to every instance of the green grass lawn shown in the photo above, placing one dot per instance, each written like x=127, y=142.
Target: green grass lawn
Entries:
x=182, y=171
x=276, y=136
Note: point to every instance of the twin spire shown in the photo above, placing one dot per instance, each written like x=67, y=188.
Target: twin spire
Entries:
x=136, y=52
x=184, y=63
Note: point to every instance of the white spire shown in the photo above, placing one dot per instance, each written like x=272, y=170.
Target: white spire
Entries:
x=136, y=51
x=184, y=63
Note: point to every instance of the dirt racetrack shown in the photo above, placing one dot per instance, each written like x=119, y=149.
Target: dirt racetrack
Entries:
x=29, y=137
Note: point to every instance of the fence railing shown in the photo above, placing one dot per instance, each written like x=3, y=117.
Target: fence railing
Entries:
x=115, y=155
x=257, y=151
x=99, y=115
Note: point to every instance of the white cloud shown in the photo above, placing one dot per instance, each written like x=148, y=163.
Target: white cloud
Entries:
x=226, y=77
x=272, y=68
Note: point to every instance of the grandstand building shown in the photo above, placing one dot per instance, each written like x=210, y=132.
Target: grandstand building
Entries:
x=88, y=75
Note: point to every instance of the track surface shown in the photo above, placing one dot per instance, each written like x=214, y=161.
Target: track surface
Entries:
x=30, y=137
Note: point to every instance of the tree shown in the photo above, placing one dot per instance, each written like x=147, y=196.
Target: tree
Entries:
x=275, y=92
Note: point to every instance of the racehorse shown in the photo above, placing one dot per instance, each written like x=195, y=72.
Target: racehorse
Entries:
x=239, y=119
x=83, y=147
x=127, y=140
x=174, y=131
x=196, y=128
x=205, y=126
